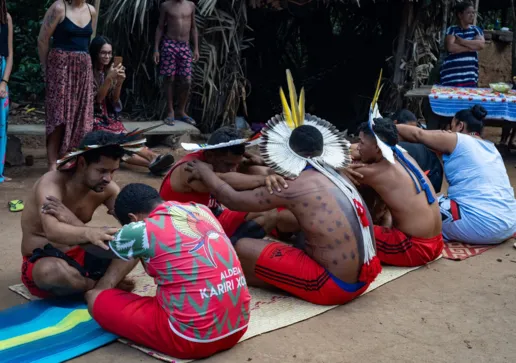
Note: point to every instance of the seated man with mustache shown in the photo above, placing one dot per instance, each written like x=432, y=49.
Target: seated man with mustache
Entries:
x=55, y=216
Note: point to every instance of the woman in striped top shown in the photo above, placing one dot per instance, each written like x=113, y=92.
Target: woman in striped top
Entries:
x=460, y=68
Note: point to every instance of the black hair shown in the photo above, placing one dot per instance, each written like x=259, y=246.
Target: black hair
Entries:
x=95, y=47
x=462, y=7
x=112, y=149
x=473, y=118
x=3, y=11
x=384, y=128
x=226, y=134
x=306, y=140
x=135, y=198
x=404, y=117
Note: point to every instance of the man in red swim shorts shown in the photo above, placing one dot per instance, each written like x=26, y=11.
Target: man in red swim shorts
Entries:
x=409, y=233
x=55, y=216
x=202, y=301
x=174, y=55
x=237, y=168
x=334, y=261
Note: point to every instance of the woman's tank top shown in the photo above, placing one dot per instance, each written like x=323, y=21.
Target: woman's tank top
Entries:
x=479, y=182
x=68, y=36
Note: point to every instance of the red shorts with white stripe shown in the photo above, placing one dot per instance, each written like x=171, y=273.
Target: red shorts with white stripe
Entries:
x=292, y=270
x=395, y=248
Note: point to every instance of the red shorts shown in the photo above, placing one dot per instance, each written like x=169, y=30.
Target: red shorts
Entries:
x=292, y=270
x=230, y=221
x=395, y=248
x=76, y=253
x=143, y=321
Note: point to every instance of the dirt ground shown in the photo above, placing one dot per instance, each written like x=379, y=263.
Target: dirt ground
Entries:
x=447, y=312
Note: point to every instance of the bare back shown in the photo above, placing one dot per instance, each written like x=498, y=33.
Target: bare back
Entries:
x=178, y=15
x=56, y=184
x=329, y=222
x=410, y=211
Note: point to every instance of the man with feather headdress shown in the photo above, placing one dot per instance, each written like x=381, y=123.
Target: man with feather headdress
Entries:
x=57, y=210
x=337, y=261
x=409, y=234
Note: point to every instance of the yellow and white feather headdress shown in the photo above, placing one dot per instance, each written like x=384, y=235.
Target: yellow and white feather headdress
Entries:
x=274, y=145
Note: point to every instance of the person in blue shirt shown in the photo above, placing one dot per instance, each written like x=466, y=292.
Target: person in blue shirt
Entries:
x=463, y=41
x=480, y=205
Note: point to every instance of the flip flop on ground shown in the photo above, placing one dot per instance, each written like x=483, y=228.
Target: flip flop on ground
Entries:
x=187, y=119
x=16, y=205
x=161, y=164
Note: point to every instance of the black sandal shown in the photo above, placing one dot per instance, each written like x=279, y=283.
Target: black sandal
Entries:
x=161, y=164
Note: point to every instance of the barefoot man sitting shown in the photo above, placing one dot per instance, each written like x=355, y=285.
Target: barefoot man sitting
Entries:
x=337, y=262
x=227, y=156
x=202, y=302
x=57, y=209
x=174, y=56
x=410, y=232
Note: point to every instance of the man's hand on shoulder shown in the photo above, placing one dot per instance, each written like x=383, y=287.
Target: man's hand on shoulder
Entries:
x=99, y=236
x=54, y=207
x=198, y=170
x=354, y=172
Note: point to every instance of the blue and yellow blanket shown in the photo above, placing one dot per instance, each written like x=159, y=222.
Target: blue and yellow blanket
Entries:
x=49, y=331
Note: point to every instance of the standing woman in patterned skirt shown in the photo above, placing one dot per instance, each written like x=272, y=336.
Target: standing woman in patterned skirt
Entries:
x=68, y=75
x=6, y=64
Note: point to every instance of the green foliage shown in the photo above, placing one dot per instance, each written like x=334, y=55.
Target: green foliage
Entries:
x=26, y=81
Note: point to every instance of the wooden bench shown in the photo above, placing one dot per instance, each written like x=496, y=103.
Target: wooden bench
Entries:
x=179, y=128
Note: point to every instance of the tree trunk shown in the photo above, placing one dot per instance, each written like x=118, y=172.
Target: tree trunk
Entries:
x=477, y=3
x=408, y=10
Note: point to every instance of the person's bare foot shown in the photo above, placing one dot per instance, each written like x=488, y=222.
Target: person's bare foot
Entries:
x=169, y=120
x=52, y=167
x=6, y=179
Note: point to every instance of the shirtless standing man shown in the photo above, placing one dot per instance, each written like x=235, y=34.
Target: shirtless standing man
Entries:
x=337, y=262
x=174, y=55
x=410, y=235
x=241, y=170
x=54, y=221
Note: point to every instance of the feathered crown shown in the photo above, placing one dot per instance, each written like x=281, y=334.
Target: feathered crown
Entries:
x=374, y=113
x=274, y=145
x=131, y=142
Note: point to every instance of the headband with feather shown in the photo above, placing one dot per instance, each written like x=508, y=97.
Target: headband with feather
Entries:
x=278, y=155
x=390, y=153
x=132, y=142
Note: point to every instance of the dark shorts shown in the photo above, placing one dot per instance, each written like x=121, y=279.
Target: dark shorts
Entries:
x=87, y=264
x=175, y=59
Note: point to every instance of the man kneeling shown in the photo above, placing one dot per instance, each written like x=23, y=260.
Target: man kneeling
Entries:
x=202, y=302
x=410, y=234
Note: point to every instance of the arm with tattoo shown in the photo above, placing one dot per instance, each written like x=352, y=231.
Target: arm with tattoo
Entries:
x=256, y=200
x=52, y=18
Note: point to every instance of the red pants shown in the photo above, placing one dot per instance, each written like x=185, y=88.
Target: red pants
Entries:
x=292, y=270
x=395, y=248
x=231, y=220
x=76, y=253
x=143, y=321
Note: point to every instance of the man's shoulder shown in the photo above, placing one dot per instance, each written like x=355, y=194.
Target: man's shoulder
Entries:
x=52, y=178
